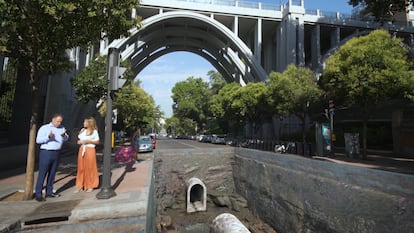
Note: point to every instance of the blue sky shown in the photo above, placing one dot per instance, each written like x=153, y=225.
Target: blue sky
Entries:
x=160, y=76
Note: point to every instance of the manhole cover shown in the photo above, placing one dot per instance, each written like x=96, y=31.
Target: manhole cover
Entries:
x=51, y=212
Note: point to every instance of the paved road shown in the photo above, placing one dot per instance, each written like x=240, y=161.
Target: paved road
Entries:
x=387, y=163
x=165, y=143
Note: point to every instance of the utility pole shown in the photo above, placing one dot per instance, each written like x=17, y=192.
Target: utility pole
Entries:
x=331, y=116
x=106, y=188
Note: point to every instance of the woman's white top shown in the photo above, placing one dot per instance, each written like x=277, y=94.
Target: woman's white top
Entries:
x=93, y=137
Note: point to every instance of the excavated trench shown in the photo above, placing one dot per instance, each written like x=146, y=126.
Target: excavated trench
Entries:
x=193, y=187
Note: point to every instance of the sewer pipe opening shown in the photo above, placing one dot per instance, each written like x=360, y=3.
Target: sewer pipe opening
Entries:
x=196, y=195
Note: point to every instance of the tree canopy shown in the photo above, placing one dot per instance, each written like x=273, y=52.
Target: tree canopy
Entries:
x=223, y=110
x=294, y=91
x=38, y=33
x=368, y=70
x=191, y=100
x=252, y=103
x=91, y=83
x=135, y=107
x=216, y=81
x=383, y=10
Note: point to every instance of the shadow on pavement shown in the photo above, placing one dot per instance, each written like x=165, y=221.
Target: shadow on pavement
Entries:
x=128, y=168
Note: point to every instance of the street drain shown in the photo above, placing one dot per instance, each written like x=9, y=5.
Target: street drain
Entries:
x=51, y=212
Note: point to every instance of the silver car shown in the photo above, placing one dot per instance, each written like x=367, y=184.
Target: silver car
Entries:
x=145, y=144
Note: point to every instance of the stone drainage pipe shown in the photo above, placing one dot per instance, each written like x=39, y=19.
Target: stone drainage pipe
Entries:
x=196, y=195
x=227, y=223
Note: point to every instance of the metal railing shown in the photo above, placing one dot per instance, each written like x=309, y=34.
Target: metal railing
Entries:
x=239, y=3
x=291, y=147
x=278, y=7
x=296, y=2
x=7, y=86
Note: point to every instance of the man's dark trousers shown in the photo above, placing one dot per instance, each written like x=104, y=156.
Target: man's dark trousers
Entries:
x=48, y=163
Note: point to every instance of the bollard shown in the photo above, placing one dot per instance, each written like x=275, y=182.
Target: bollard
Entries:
x=196, y=195
x=227, y=223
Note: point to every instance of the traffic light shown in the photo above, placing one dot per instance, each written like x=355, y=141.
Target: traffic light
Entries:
x=116, y=77
x=331, y=106
x=114, y=116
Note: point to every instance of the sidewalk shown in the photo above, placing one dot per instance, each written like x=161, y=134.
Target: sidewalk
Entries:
x=375, y=161
x=81, y=212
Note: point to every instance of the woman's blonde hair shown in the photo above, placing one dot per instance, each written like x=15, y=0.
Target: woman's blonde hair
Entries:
x=91, y=125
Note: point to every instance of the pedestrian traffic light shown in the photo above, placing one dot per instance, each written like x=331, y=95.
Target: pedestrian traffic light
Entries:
x=114, y=116
x=331, y=106
x=116, y=77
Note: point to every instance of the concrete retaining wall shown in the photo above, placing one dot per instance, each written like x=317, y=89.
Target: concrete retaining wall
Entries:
x=297, y=194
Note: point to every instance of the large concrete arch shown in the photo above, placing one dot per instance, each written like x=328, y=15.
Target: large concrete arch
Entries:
x=192, y=32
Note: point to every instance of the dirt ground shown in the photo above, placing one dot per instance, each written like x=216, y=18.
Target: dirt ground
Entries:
x=16, y=196
x=215, y=171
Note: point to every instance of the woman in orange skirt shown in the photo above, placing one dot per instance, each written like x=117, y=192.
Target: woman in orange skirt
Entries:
x=87, y=177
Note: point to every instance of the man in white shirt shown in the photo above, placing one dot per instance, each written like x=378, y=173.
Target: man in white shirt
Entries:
x=50, y=137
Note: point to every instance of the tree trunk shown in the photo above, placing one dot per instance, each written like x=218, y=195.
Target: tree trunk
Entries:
x=364, y=138
x=303, y=119
x=280, y=129
x=28, y=190
x=303, y=133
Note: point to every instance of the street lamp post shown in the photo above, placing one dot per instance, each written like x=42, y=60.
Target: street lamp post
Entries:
x=106, y=191
x=332, y=113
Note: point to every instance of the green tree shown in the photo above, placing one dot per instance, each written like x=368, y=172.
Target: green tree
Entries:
x=383, y=10
x=229, y=118
x=155, y=125
x=180, y=126
x=280, y=87
x=366, y=71
x=252, y=102
x=187, y=126
x=216, y=81
x=191, y=100
x=135, y=107
x=38, y=32
x=171, y=124
x=91, y=83
x=295, y=91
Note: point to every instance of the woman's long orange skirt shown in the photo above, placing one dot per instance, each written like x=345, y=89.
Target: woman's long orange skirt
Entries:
x=87, y=176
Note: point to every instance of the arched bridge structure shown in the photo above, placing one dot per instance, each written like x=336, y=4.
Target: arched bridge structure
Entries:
x=244, y=40
x=192, y=32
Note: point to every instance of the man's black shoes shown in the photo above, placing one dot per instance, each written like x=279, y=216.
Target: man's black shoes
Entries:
x=40, y=199
x=53, y=195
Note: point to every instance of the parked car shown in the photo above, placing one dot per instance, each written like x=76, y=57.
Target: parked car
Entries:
x=200, y=138
x=206, y=138
x=144, y=144
x=218, y=139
